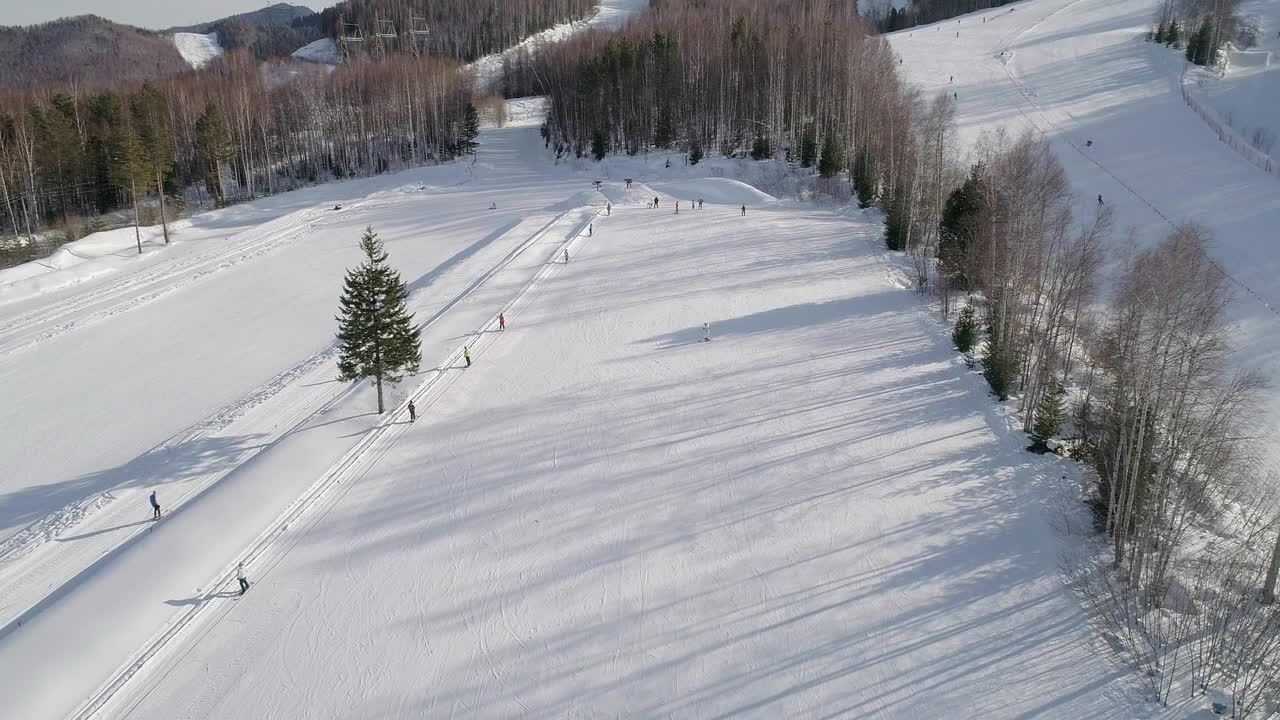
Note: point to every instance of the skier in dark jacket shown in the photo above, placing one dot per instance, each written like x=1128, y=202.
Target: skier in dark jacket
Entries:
x=155, y=506
x=413, y=412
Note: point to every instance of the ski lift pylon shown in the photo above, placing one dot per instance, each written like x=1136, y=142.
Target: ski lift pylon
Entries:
x=418, y=26
x=386, y=29
x=351, y=33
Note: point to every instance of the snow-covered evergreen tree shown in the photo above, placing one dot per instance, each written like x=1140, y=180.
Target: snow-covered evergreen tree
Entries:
x=1048, y=418
x=965, y=333
x=809, y=147
x=376, y=335
x=832, y=160
x=470, y=130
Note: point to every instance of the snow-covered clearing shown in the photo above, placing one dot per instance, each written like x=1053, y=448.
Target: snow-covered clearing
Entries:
x=324, y=51
x=1244, y=104
x=197, y=49
x=817, y=513
x=1079, y=70
x=609, y=14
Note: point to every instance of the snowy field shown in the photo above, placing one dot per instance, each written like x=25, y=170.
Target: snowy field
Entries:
x=198, y=49
x=1079, y=70
x=1246, y=98
x=818, y=513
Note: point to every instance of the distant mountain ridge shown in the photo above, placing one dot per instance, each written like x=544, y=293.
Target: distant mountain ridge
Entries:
x=278, y=15
x=93, y=50
x=84, y=49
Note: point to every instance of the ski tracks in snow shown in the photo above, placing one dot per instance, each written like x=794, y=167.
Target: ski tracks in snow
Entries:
x=268, y=550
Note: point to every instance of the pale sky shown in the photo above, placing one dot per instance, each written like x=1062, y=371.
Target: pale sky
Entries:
x=154, y=14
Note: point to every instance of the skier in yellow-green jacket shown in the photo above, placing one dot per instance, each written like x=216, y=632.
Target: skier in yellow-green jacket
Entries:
x=466, y=353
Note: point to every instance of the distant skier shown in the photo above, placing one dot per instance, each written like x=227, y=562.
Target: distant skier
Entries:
x=699, y=203
x=628, y=182
x=953, y=79
x=466, y=353
x=1099, y=199
x=155, y=506
x=608, y=209
x=744, y=210
x=591, y=228
x=566, y=256
x=677, y=207
x=244, y=581
x=502, y=321
x=1088, y=143
x=655, y=202
x=706, y=332
x=493, y=206
x=413, y=412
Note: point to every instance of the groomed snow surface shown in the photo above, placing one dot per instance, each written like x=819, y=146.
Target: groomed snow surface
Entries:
x=198, y=49
x=818, y=513
x=324, y=51
x=1080, y=70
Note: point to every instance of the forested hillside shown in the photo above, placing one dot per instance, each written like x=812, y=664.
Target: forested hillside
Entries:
x=87, y=50
x=273, y=31
x=278, y=15
x=78, y=153
x=459, y=29
x=806, y=81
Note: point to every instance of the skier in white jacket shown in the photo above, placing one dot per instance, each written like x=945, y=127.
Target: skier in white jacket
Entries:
x=244, y=582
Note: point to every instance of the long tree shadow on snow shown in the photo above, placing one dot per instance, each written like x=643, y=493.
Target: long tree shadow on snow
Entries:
x=829, y=315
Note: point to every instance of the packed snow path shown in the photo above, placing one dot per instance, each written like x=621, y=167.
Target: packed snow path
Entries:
x=1079, y=70
x=239, y=414
x=818, y=513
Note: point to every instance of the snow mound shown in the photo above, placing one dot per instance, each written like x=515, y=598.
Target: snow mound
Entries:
x=198, y=50
x=1250, y=59
x=324, y=50
x=715, y=190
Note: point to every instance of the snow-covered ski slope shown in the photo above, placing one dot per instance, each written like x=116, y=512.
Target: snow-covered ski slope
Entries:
x=198, y=49
x=1079, y=70
x=819, y=513
x=609, y=14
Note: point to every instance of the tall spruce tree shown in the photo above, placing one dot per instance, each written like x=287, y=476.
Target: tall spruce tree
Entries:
x=129, y=168
x=864, y=179
x=376, y=335
x=895, y=222
x=151, y=114
x=1193, y=48
x=832, y=161
x=1048, y=418
x=809, y=147
x=600, y=143
x=213, y=150
x=1171, y=36
x=965, y=334
x=695, y=151
x=959, y=226
x=470, y=130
